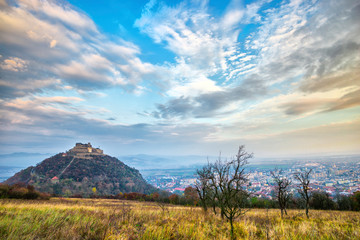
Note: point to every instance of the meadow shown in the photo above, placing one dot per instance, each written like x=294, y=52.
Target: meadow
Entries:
x=64, y=218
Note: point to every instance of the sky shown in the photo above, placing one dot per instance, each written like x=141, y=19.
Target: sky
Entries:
x=181, y=77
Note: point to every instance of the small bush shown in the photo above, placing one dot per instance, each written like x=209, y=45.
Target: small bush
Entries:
x=19, y=191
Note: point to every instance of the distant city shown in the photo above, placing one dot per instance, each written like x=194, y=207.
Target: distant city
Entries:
x=339, y=175
x=332, y=174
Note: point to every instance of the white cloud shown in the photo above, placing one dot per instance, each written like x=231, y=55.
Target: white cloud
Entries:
x=307, y=40
x=53, y=43
x=33, y=84
x=59, y=42
x=14, y=64
x=200, y=86
x=232, y=18
x=64, y=13
x=204, y=50
x=208, y=58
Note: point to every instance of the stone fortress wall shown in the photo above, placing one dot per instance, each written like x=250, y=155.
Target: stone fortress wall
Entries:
x=84, y=150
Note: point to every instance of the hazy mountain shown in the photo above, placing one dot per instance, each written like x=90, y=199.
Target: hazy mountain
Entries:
x=143, y=161
x=22, y=159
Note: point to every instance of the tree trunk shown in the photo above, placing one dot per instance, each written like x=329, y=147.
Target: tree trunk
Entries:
x=214, y=209
x=282, y=213
x=232, y=229
x=307, y=210
x=285, y=211
x=205, y=208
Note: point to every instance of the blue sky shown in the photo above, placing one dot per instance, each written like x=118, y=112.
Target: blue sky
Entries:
x=181, y=77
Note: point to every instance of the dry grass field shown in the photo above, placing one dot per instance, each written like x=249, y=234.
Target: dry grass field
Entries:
x=115, y=219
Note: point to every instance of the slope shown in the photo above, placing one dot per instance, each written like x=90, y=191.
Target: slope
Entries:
x=74, y=173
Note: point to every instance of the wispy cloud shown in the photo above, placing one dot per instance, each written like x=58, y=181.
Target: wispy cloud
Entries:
x=311, y=45
x=14, y=64
x=211, y=104
x=202, y=51
x=48, y=38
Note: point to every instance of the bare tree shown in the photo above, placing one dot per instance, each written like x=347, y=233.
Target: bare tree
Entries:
x=304, y=187
x=202, y=186
x=227, y=186
x=163, y=206
x=282, y=192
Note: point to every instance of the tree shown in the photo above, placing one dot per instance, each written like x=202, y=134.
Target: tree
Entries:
x=343, y=202
x=227, y=184
x=355, y=201
x=322, y=200
x=304, y=187
x=174, y=198
x=155, y=196
x=191, y=196
x=202, y=186
x=282, y=192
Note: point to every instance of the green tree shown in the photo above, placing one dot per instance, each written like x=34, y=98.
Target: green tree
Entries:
x=355, y=201
x=322, y=200
x=343, y=202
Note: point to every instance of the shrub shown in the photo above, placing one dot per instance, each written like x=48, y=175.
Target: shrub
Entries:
x=4, y=191
x=18, y=192
x=174, y=199
x=21, y=191
x=355, y=201
x=322, y=200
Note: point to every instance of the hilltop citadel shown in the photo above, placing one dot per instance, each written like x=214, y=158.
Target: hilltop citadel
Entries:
x=84, y=150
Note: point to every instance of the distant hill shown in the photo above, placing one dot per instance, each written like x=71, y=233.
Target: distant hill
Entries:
x=154, y=162
x=144, y=162
x=79, y=171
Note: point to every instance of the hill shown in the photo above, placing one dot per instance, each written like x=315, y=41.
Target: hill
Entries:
x=81, y=170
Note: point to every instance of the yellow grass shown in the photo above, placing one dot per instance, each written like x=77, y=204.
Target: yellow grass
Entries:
x=115, y=219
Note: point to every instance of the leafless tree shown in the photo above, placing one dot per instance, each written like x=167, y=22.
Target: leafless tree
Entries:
x=282, y=192
x=202, y=186
x=304, y=187
x=227, y=184
x=162, y=206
